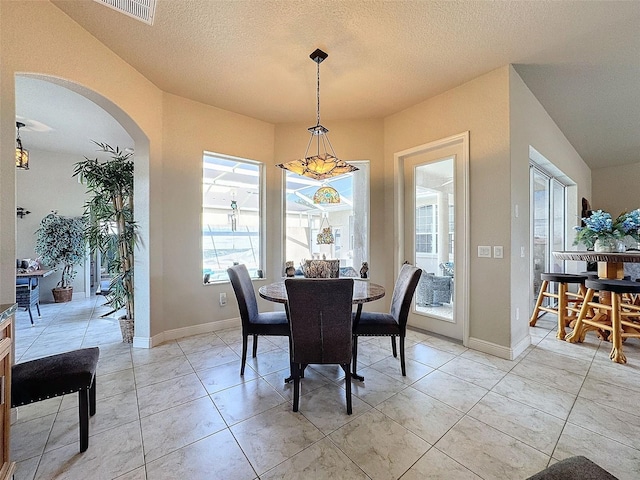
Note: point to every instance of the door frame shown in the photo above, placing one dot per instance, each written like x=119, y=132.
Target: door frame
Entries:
x=462, y=235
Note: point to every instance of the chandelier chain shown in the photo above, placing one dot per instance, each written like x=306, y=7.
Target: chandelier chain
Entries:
x=318, y=96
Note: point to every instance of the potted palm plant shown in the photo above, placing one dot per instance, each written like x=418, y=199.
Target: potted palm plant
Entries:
x=110, y=227
x=60, y=241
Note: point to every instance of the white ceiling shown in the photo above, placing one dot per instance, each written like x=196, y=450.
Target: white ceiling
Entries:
x=59, y=120
x=581, y=59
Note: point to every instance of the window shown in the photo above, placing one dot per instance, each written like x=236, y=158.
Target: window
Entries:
x=348, y=220
x=426, y=232
x=231, y=216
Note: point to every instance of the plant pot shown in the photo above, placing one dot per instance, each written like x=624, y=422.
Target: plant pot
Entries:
x=62, y=295
x=126, y=327
x=608, y=245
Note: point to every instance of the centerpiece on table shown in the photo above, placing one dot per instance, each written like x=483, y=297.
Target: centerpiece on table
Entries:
x=604, y=234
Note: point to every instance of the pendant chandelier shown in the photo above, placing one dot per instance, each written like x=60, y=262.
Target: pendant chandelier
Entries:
x=22, y=155
x=324, y=164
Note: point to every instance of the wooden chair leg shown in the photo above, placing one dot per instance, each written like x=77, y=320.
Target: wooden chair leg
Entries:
x=402, y=363
x=244, y=353
x=536, y=309
x=393, y=346
x=255, y=345
x=296, y=386
x=355, y=354
x=347, y=386
x=83, y=414
x=92, y=398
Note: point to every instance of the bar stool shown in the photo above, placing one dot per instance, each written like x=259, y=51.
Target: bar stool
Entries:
x=568, y=303
x=620, y=318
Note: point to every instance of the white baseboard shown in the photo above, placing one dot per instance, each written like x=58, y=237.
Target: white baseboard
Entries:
x=146, y=342
x=508, y=353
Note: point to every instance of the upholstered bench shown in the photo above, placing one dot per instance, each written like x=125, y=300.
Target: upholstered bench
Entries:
x=573, y=468
x=56, y=375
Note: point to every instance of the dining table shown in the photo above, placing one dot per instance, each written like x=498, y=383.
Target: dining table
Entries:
x=610, y=266
x=364, y=291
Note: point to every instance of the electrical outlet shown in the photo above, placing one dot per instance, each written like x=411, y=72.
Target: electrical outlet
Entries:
x=517, y=313
x=223, y=299
x=484, y=251
x=498, y=251
x=522, y=252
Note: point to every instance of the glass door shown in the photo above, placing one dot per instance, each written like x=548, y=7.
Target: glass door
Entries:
x=548, y=212
x=434, y=238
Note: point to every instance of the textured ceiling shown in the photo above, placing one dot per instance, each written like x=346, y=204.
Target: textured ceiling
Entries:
x=581, y=59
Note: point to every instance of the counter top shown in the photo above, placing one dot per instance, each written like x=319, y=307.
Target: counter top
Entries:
x=7, y=309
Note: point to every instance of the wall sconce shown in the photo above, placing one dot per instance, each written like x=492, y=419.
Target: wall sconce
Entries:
x=21, y=212
x=22, y=155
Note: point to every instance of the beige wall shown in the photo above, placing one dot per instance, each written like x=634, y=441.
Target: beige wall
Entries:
x=170, y=134
x=615, y=189
x=481, y=107
x=48, y=185
x=58, y=49
x=530, y=125
x=189, y=129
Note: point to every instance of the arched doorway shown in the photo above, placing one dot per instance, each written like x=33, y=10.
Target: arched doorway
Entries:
x=82, y=115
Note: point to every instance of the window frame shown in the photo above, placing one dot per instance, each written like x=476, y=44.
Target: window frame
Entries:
x=349, y=235
x=259, y=270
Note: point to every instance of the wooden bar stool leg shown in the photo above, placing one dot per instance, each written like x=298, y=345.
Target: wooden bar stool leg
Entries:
x=616, y=330
x=562, y=310
x=536, y=310
x=578, y=335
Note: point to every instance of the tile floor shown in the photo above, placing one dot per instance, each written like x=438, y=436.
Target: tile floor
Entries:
x=181, y=410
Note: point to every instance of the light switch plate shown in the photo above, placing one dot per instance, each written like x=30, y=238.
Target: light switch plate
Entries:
x=484, y=251
x=223, y=299
x=497, y=251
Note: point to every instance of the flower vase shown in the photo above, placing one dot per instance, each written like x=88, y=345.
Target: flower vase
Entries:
x=603, y=245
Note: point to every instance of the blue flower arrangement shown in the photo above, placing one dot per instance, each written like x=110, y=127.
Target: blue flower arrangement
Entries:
x=601, y=226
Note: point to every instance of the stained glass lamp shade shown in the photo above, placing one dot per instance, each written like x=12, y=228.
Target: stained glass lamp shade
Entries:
x=326, y=194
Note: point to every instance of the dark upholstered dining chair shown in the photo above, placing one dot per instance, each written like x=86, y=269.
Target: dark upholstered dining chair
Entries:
x=394, y=323
x=253, y=322
x=320, y=318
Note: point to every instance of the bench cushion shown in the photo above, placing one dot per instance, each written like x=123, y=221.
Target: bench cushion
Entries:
x=573, y=468
x=53, y=376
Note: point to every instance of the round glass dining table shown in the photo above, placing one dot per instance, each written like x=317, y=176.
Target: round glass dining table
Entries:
x=363, y=292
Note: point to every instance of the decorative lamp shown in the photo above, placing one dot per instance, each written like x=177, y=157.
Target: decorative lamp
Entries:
x=326, y=194
x=22, y=155
x=324, y=164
